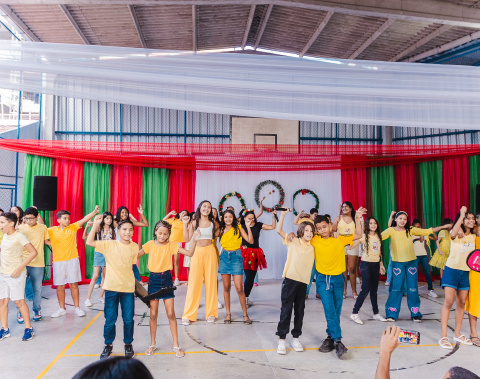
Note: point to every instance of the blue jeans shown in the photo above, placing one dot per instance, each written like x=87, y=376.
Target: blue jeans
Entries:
x=370, y=272
x=389, y=276
x=35, y=276
x=314, y=274
x=330, y=288
x=127, y=304
x=423, y=261
x=402, y=270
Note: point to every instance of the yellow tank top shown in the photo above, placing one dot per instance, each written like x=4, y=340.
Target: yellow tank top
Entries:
x=346, y=231
x=231, y=241
x=460, y=248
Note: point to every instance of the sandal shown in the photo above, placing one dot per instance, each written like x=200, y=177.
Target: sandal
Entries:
x=179, y=353
x=150, y=350
x=355, y=296
x=246, y=320
x=475, y=341
x=228, y=319
x=463, y=341
x=211, y=319
x=445, y=343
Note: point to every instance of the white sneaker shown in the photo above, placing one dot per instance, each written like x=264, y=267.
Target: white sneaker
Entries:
x=59, y=313
x=88, y=303
x=185, y=322
x=432, y=294
x=356, y=318
x=96, y=286
x=220, y=306
x=249, y=303
x=358, y=280
x=379, y=317
x=297, y=346
x=176, y=282
x=79, y=312
x=101, y=300
x=387, y=283
x=281, y=349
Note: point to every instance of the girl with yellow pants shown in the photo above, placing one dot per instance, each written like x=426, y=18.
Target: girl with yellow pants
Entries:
x=203, y=266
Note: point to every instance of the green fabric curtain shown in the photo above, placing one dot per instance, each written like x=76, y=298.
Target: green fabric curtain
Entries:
x=384, y=199
x=96, y=191
x=474, y=180
x=431, y=181
x=36, y=166
x=155, y=191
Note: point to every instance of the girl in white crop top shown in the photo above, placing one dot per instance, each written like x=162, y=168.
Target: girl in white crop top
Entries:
x=206, y=233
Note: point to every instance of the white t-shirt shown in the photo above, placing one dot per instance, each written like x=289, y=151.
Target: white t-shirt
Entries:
x=11, y=255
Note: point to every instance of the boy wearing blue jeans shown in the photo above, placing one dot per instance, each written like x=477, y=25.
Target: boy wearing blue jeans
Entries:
x=119, y=282
x=330, y=265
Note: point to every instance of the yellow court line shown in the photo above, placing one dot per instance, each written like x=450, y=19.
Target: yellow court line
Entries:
x=42, y=374
x=237, y=351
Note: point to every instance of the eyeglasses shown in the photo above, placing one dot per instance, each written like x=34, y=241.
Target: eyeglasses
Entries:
x=29, y=218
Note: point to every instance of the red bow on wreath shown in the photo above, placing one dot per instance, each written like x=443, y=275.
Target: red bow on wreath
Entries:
x=304, y=192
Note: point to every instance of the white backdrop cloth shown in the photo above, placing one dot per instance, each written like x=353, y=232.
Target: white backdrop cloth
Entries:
x=324, y=90
x=213, y=185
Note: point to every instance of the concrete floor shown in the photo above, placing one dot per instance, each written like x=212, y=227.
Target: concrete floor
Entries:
x=63, y=346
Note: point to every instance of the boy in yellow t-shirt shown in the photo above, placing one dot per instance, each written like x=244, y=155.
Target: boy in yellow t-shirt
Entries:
x=119, y=282
x=297, y=271
x=330, y=265
x=38, y=236
x=66, y=265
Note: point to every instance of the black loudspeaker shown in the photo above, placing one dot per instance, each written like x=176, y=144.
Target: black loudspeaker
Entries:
x=477, y=198
x=45, y=192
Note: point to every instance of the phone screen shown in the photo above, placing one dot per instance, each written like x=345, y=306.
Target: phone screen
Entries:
x=409, y=336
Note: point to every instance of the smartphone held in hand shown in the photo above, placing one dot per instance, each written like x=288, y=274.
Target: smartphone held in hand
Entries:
x=409, y=336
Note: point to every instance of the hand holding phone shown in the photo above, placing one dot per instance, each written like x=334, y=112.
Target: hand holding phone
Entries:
x=409, y=336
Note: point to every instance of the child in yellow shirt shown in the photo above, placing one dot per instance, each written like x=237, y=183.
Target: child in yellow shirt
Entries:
x=160, y=252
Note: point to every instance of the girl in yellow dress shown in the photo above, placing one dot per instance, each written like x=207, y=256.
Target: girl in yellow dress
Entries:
x=443, y=248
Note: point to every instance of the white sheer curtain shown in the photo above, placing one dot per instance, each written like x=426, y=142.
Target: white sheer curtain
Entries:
x=328, y=90
x=213, y=185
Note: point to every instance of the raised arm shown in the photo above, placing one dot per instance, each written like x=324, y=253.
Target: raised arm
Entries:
x=298, y=217
x=187, y=228
x=32, y=253
x=91, y=236
x=274, y=223
x=190, y=252
x=144, y=221
x=358, y=223
x=458, y=225
x=280, y=224
x=247, y=235
x=335, y=223
x=89, y=216
x=390, y=219
x=168, y=215
x=261, y=208
x=85, y=234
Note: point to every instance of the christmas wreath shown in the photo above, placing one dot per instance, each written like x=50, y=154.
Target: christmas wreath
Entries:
x=278, y=187
x=228, y=196
x=305, y=192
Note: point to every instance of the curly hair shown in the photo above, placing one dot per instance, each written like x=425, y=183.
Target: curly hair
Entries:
x=163, y=224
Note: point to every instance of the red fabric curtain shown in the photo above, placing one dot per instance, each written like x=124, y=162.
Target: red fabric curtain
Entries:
x=69, y=197
x=126, y=190
x=456, y=186
x=233, y=157
x=181, y=195
x=354, y=186
x=407, y=190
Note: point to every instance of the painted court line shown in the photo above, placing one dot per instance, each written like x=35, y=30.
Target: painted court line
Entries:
x=235, y=351
x=42, y=374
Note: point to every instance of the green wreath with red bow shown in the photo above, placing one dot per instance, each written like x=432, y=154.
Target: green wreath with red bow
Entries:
x=280, y=192
x=305, y=192
x=228, y=196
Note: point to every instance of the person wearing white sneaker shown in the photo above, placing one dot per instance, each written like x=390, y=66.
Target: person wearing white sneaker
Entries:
x=455, y=280
x=297, y=272
x=66, y=263
x=379, y=317
x=79, y=312
x=106, y=233
x=119, y=283
x=371, y=266
x=13, y=269
x=420, y=248
x=432, y=293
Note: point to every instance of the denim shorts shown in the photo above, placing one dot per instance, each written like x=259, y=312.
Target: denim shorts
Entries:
x=99, y=259
x=454, y=278
x=159, y=280
x=231, y=262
